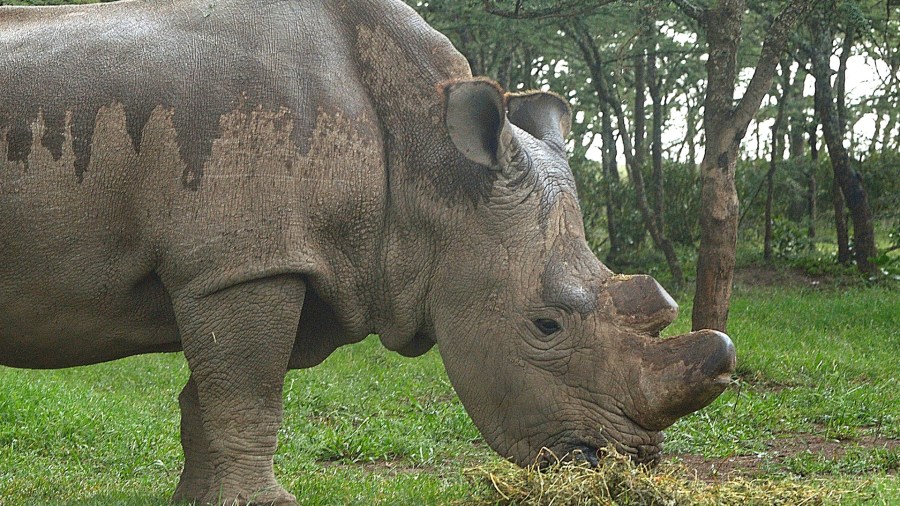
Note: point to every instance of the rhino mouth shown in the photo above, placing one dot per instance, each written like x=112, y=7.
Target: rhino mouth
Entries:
x=641, y=445
x=645, y=454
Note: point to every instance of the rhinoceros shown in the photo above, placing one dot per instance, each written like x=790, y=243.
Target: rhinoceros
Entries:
x=258, y=183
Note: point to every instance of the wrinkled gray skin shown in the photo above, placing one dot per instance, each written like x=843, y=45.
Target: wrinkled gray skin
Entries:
x=259, y=183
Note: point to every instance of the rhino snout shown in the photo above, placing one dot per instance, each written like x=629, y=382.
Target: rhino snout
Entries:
x=682, y=374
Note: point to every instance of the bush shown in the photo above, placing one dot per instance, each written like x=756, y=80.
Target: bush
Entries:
x=881, y=178
x=682, y=187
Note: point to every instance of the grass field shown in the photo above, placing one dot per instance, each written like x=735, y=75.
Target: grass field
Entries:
x=816, y=400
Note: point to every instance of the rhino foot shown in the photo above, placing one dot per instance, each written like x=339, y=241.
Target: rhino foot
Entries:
x=277, y=496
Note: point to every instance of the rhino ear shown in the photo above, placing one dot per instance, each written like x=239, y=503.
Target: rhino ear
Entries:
x=546, y=116
x=475, y=115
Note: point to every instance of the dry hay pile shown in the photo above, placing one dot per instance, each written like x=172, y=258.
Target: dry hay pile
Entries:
x=617, y=481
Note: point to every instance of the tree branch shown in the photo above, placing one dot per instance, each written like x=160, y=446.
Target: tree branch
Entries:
x=692, y=11
x=563, y=9
x=773, y=46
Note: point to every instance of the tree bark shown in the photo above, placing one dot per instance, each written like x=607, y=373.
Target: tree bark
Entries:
x=888, y=130
x=725, y=126
x=840, y=223
x=811, y=184
x=611, y=180
x=848, y=181
x=777, y=153
x=633, y=157
x=639, y=119
x=656, y=184
x=873, y=143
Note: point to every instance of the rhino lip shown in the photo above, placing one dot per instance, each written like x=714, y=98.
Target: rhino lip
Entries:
x=641, y=454
x=648, y=453
x=587, y=454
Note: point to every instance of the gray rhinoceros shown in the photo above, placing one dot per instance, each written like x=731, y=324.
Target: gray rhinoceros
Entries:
x=259, y=183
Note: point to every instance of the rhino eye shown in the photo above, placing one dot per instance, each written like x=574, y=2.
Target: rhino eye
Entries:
x=547, y=326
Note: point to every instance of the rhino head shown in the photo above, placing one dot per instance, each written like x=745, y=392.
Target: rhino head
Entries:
x=551, y=353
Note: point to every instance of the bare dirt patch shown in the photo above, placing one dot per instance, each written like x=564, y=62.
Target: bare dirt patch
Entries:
x=783, y=447
x=759, y=275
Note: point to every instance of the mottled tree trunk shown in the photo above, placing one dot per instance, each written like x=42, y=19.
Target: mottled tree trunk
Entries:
x=725, y=125
x=719, y=212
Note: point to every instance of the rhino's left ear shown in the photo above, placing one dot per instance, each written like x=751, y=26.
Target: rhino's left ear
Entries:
x=546, y=116
x=475, y=115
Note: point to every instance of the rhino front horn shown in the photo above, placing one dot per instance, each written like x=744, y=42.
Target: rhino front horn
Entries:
x=682, y=374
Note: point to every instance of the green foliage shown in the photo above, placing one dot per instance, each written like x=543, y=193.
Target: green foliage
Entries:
x=682, y=203
x=789, y=240
x=880, y=174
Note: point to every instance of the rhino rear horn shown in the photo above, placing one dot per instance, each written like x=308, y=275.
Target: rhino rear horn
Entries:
x=475, y=115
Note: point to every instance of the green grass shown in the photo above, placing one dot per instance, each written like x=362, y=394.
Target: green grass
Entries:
x=369, y=426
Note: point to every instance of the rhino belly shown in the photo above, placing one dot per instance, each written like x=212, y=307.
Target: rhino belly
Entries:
x=52, y=329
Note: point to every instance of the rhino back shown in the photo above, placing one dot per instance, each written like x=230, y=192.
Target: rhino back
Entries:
x=146, y=145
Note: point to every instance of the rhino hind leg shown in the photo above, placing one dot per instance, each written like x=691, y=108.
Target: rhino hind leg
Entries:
x=198, y=470
x=237, y=343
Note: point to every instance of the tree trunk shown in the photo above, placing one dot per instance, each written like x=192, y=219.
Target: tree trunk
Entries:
x=633, y=156
x=811, y=184
x=639, y=119
x=719, y=212
x=725, y=126
x=611, y=180
x=840, y=83
x=847, y=180
x=873, y=143
x=656, y=184
x=888, y=130
x=777, y=153
x=840, y=223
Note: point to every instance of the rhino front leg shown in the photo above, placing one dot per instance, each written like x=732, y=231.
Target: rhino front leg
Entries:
x=237, y=343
